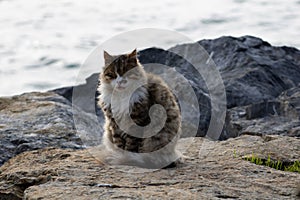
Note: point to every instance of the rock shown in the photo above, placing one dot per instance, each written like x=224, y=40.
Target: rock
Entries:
x=212, y=170
x=252, y=69
x=290, y=101
x=53, y=135
x=278, y=117
x=262, y=109
x=91, y=84
x=254, y=73
x=82, y=97
x=37, y=120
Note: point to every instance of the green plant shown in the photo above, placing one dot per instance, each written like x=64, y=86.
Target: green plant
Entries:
x=256, y=160
x=269, y=162
x=293, y=168
x=276, y=164
x=234, y=153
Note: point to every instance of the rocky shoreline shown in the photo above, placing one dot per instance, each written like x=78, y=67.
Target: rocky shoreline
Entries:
x=213, y=170
x=262, y=84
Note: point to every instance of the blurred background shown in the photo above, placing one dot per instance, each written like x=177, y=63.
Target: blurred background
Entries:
x=43, y=43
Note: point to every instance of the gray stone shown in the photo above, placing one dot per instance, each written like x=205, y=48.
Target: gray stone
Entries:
x=37, y=120
x=263, y=109
x=278, y=117
x=262, y=88
x=263, y=101
x=254, y=73
x=212, y=170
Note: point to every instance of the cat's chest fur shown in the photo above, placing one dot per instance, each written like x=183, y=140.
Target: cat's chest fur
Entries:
x=121, y=103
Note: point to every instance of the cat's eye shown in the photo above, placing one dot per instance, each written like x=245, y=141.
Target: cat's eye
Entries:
x=132, y=76
x=110, y=75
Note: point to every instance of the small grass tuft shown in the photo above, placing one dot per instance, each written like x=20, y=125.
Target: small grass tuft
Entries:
x=234, y=154
x=291, y=166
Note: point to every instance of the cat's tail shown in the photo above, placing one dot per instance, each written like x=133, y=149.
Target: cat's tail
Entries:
x=153, y=160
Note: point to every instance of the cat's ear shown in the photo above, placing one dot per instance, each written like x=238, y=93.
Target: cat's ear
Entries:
x=108, y=58
x=133, y=54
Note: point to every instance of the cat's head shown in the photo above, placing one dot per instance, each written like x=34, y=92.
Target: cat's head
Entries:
x=121, y=71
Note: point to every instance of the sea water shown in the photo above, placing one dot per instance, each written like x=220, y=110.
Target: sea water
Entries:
x=43, y=43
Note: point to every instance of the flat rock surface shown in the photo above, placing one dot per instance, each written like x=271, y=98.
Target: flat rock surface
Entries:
x=212, y=170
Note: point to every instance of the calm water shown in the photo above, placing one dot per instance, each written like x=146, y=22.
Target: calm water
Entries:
x=42, y=43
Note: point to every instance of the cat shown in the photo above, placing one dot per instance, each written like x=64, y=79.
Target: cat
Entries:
x=142, y=117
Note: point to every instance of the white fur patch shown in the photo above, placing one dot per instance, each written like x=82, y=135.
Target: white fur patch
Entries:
x=105, y=94
x=120, y=101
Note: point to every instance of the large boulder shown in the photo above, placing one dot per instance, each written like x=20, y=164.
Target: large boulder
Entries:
x=253, y=72
x=252, y=69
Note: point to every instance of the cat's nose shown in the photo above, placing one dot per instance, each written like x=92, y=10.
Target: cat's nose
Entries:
x=122, y=81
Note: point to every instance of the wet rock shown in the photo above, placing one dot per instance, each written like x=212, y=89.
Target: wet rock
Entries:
x=212, y=170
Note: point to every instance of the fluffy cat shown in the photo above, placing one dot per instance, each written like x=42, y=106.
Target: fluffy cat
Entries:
x=142, y=118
